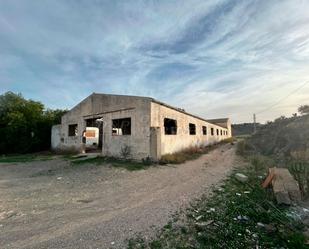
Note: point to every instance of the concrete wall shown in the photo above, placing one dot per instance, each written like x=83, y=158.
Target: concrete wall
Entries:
x=174, y=143
x=147, y=137
x=138, y=141
x=110, y=107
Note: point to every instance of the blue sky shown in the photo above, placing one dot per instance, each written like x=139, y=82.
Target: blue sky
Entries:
x=213, y=58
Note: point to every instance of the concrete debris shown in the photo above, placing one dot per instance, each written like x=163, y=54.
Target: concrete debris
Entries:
x=285, y=187
x=241, y=177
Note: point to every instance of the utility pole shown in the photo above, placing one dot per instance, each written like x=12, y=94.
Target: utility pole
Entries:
x=254, y=123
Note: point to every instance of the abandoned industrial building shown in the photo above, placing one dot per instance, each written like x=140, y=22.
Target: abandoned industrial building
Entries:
x=141, y=127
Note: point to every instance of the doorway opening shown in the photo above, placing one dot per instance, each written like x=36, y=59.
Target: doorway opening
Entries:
x=93, y=135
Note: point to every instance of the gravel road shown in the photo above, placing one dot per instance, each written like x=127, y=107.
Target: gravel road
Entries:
x=51, y=204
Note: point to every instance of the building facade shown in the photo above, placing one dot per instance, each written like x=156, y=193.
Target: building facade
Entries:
x=136, y=127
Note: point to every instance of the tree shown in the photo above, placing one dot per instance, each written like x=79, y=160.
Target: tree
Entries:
x=304, y=109
x=25, y=126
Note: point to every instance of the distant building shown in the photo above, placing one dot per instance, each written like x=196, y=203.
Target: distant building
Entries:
x=142, y=126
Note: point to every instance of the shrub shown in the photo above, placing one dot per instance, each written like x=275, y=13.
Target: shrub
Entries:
x=147, y=161
x=244, y=148
x=261, y=163
x=125, y=152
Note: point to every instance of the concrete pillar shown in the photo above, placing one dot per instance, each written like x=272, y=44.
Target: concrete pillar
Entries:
x=155, y=143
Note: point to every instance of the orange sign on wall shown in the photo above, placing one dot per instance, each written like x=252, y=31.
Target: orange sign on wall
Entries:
x=90, y=134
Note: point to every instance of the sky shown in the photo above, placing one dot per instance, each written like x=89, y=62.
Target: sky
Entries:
x=218, y=58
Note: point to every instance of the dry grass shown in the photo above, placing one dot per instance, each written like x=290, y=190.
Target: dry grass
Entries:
x=191, y=153
x=183, y=155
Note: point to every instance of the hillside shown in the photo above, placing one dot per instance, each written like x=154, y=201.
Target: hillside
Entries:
x=243, y=129
x=285, y=138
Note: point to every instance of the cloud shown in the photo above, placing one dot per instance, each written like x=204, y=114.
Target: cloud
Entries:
x=213, y=58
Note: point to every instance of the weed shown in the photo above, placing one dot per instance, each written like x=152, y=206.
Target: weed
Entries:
x=147, y=161
x=115, y=162
x=300, y=171
x=24, y=158
x=125, y=152
x=232, y=217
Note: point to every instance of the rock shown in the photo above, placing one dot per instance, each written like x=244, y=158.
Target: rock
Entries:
x=260, y=224
x=255, y=236
x=220, y=189
x=204, y=224
x=199, y=217
x=285, y=187
x=241, y=177
x=242, y=218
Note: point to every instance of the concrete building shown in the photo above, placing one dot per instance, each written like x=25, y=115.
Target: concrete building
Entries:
x=138, y=127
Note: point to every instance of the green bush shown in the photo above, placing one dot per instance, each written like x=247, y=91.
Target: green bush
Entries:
x=25, y=125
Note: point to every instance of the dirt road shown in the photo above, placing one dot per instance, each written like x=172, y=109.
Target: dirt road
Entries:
x=51, y=204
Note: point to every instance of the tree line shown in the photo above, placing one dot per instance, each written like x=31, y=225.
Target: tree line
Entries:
x=25, y=125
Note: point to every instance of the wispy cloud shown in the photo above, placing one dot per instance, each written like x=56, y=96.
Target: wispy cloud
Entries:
x=213, y=58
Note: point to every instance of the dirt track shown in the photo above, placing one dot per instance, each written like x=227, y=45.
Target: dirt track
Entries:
x=50, y=204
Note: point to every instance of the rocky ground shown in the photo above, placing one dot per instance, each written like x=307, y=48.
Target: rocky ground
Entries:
x=54, y=204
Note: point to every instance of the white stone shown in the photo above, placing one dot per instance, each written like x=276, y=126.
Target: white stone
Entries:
x=241, y=177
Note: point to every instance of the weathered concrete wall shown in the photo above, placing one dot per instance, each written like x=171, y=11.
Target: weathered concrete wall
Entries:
x=147, y=127
x=139, y=140
x=174, y=143
x=110, y=107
